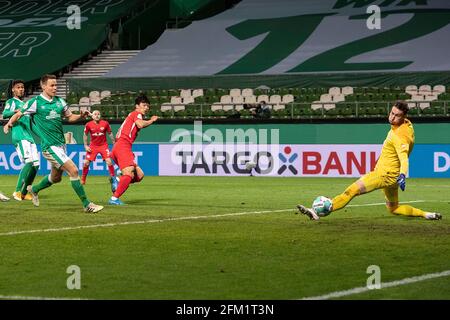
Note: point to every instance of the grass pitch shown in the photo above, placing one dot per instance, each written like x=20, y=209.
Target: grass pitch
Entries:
x=185, y=238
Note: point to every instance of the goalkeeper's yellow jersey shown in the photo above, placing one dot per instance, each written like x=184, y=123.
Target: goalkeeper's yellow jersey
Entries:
x=396, y=149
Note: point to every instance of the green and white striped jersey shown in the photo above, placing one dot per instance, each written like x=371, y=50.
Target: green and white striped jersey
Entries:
x=46, y=119
x=21, y=129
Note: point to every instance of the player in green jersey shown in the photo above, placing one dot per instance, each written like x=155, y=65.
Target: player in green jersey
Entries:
x=23, y=141
x=47, y=111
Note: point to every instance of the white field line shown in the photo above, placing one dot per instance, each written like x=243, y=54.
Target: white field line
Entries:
x=396, y=283
x=125, y=223
x=35, y=298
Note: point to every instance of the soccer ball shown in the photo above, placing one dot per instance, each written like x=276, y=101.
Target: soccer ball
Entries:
x=322, y=206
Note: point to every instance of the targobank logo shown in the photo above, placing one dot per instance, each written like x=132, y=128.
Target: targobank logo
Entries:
x=287, y=158
x=210, y=151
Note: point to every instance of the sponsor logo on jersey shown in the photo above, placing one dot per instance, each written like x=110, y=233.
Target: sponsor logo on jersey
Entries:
x=53, y=115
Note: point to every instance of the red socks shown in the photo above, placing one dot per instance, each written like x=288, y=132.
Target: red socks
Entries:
x=85, y=172
x=123, y=185
x=112, y=172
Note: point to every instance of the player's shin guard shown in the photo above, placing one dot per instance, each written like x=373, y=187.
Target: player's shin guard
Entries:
x=112, y=172
x=79, y=190
x=29, y=178
x=22, y=177
x=343, y=199
x=124, y=182
x=406, y=210
x=43, y=184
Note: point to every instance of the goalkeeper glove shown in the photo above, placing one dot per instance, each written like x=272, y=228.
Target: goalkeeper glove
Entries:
x=401, y=181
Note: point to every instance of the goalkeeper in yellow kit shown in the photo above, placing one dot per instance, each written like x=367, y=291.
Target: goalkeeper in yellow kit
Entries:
x=389, y=173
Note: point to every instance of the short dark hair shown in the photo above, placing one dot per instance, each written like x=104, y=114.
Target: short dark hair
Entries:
x=46, y=77
x=142, y=98
x=402, y=105
x=17, y=81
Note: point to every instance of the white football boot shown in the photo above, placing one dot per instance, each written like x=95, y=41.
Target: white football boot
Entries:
x=433, y=216
x=307, y=211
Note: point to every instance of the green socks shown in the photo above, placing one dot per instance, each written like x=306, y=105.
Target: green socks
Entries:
x=29, y=178
x=79, y=190
x=44, y=183
x=22, y=176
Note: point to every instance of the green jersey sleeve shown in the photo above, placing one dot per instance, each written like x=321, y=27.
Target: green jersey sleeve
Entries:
x=29, y=107
x=8, y=112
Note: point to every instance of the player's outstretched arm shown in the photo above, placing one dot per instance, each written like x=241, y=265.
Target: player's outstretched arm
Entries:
x=145, y=123
x=76, y=117
x=11, y=121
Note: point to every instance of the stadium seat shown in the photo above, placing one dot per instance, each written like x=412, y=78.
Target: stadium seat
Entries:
x=438, y=89
x=288, y=98
x=334, y=90
x=338, y=97
x=238, y=102
x=178, y=108
x=411, y=89
x=166, y=107
x=197, y=93
x=95, y=100
x=94, y=95
x=250, y=99
x=176, y=100
x=184, y=93
x=84, y=101
x=105, y=94
x=425, y=90
x=326, y=98
x=347, y=90
x=247, y=92
x=187, y=100
x=235, y=92
x=262, y=97
x=275, y=99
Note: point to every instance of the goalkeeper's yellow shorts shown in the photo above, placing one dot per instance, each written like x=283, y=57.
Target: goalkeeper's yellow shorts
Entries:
x=387, y=181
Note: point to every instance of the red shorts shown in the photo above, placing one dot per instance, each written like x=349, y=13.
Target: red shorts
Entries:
x=123, y=156
x=103, y=150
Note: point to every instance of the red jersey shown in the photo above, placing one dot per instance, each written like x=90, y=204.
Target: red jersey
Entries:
x=129, y=130
x=97, y=130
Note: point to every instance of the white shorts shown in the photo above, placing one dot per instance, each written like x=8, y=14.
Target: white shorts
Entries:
x=56, y=156
x=27, y=152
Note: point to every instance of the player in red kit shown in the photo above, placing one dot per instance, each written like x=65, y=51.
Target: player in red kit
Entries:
x=98, y=129
x=122, y=154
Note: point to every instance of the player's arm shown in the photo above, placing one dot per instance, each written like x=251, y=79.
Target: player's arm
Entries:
x=71, y=117
x=11, y=121
x=85, y=141
x=8, y=112
x=111, y=136
x=140, y=123
x=402, y=148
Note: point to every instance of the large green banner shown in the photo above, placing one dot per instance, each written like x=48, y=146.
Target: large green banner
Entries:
x=43, y=36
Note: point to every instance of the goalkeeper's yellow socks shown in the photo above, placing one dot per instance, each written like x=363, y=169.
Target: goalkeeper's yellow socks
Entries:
x=343, y=199
x=406, y=210
x=79, y=190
